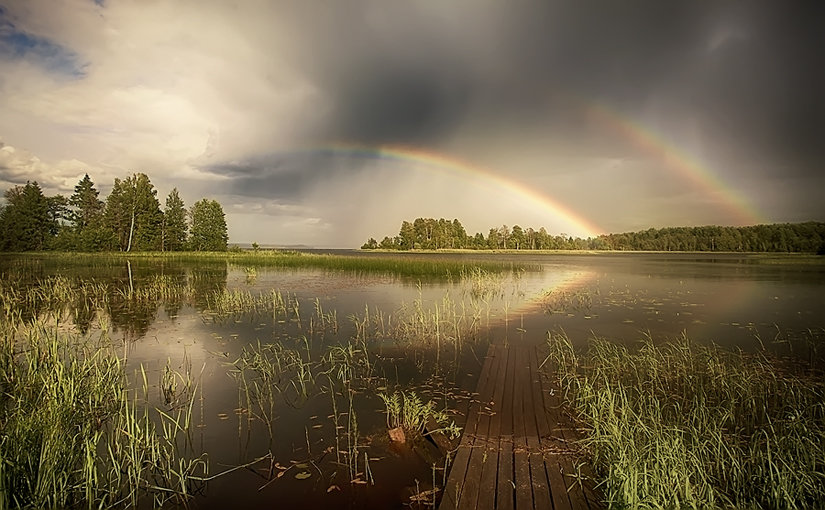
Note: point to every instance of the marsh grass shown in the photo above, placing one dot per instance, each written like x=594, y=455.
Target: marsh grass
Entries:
x=567, y=301
x=74, y=434
x=683, y=425
x=102, y=442
x=407, y=410
x=402, y=265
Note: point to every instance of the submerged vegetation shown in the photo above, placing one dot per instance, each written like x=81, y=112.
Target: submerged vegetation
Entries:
x=683, y=425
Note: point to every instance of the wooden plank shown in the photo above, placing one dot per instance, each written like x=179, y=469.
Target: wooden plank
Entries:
x=505, y=485
x=521, y=459
x=489, y=474
x=479, y=455
x=455, y=479
x=538, y=475
x=512, y=453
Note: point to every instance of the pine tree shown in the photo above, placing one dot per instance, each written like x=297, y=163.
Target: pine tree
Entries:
x=88, y=232
x=87, y=209
x=174, y=223
x=27, y=220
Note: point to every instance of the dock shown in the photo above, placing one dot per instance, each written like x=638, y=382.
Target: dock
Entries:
x=515, y=451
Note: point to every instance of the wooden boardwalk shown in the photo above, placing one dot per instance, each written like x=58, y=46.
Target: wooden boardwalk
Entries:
x=514, y=452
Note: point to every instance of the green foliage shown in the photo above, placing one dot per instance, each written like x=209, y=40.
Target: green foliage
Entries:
x=783, y=237
x=87, y=232
x=208, y=231
x=681, y=425
x=130, y=219
x=431, y=234
x=73, y=434
x=174, y=223
x=87, y=209
x=29, y=219
x=407, y=410
x=133, y=214
x=371, y=244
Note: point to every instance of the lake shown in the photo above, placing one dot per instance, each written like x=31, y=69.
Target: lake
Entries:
x=288, y=371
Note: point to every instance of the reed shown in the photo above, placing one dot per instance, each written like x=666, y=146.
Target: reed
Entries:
x=74, y=433
x=405, y=409
x=410, y=266
x=683, y=425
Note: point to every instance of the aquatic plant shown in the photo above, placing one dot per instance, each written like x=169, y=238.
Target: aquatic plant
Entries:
x=409, y=266
x=405, y=409
x=74, y=433
x=679, y=424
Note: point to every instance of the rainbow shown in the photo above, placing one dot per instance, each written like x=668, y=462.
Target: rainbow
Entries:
x=675, y=159
x=441, y=163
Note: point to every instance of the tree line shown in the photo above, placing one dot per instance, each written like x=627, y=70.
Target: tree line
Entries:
x=130, y=219
x=432, y=234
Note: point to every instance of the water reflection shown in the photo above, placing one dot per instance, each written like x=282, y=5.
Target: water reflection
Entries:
x=201, y=319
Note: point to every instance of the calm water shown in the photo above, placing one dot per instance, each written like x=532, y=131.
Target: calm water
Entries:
x=729, y=300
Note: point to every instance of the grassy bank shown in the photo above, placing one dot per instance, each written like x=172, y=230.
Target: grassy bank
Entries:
x=392, y=264
x=683, y=425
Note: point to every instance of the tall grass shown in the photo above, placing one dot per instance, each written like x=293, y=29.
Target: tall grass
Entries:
x=90, y=439
x=75, y=435
x=402, y=265
x=683, y=425
x=407, y=410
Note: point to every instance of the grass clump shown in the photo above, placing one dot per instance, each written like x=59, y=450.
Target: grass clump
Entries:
x=683, y=425
x=74, y=435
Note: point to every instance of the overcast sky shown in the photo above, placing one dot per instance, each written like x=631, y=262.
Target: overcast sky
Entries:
x=624, y=115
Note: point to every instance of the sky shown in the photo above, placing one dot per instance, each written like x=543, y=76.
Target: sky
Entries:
x=325, y=123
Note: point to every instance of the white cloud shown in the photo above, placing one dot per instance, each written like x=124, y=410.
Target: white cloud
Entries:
x=164, y=84
x=18, y=166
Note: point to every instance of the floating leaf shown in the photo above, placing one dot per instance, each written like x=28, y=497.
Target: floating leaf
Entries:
x=333, y=488
x=303, y=475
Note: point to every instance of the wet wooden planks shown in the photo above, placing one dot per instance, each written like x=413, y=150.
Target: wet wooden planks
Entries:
x=513, y=454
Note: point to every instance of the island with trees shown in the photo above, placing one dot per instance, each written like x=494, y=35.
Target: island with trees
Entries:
x=440, y=234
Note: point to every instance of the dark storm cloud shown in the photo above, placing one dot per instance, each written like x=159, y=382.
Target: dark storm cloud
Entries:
x=282, y=176
x=387, y=102
x=745, y=80
x=413, y=74
x=416, y=78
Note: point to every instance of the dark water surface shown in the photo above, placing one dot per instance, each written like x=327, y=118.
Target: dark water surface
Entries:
x=734, y=301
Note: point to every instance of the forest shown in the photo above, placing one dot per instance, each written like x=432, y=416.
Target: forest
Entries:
x=432, y=234
x=130, y=219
